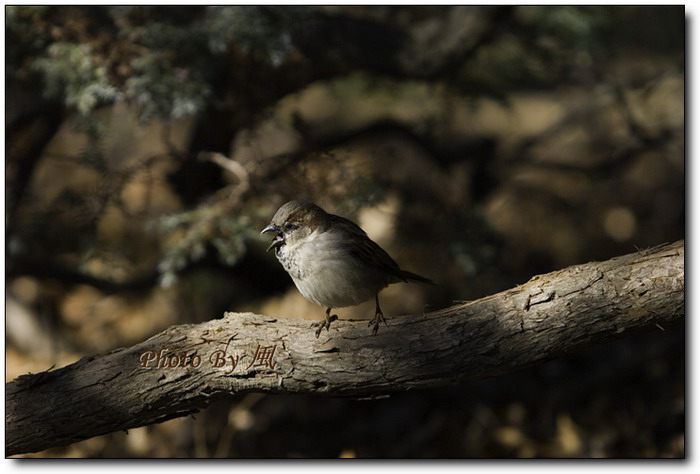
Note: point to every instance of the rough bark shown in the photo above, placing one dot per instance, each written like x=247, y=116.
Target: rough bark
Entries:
x=176, y=372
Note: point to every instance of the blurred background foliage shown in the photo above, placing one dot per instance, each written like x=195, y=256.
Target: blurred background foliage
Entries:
x=147, y=146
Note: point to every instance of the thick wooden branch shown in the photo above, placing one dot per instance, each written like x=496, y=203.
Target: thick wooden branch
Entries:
x=176, y=372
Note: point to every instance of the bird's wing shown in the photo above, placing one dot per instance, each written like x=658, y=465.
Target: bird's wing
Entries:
x=368, y=250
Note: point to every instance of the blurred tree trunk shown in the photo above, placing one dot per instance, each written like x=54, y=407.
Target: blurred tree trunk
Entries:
x=27, y=136
x=177, y=371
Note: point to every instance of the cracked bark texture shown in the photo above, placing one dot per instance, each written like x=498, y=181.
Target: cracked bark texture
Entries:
x=178, y=371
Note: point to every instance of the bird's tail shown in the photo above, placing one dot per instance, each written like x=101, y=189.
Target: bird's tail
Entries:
x=414, y=277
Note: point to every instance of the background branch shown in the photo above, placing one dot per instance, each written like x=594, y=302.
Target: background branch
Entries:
x=178, y=371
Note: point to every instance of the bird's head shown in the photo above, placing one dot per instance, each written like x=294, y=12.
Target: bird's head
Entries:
x=294, y=221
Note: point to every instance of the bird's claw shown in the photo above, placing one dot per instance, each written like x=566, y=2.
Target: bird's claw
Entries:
x=378, y=318
x=326, y=323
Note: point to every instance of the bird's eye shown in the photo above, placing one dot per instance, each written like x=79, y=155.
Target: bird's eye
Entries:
x=289, y=227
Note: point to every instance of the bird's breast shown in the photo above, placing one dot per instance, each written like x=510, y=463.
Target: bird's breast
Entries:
x=325, y=272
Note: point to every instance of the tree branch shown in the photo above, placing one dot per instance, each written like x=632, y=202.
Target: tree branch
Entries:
x=177, y=372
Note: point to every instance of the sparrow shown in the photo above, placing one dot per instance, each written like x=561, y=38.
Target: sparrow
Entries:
x=332, y=261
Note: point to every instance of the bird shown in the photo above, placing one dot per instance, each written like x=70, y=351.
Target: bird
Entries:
x=332, y=261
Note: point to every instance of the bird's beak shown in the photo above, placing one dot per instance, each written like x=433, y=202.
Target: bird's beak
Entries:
x=270, y=228
x=279, y=239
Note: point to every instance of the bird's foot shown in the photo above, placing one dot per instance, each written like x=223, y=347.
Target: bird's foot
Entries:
x=326, y=323
x=378, y=318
